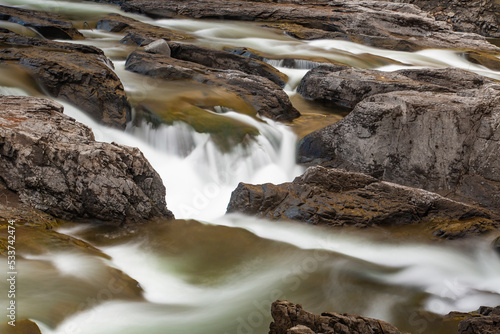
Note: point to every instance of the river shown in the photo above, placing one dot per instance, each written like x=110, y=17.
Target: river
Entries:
x=208, y=272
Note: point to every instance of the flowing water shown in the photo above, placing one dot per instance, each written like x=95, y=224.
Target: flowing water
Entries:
x=213, y=273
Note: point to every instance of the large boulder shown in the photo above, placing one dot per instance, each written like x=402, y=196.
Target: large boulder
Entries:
x=54, y=164
x=51, y=26
x=378, y=23
x=347, y=86
x=79, y=74
x=291, y=318
x=333, y=197
x=263, y=95
x=442, y=142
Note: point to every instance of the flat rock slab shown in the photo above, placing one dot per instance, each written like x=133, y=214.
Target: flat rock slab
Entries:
x=442, y=142
x=291, y=318
x=263, y=95
x=79, y=74
x=51, y=26
x=54, y=164
x=333, y=197
x=378, y=23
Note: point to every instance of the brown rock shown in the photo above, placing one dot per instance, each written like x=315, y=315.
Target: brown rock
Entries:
x=51, y=26
x=335, y=197
x=264, y=96
x=74, y=73
x=292, y=318
x=485, y=321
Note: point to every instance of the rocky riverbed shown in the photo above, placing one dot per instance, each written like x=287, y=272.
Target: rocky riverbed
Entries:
x=417, y=146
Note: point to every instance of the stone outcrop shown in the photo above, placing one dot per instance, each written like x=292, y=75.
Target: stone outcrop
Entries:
x=442, y=142
x=477, y=16
x=379, y=23
x=486, y=320
x=291, y=318
x=54, y=164
x=334, y=197
x=78, y=74
x=263, y=95
x=347, y=86
x=143, y=34
x=51, y=26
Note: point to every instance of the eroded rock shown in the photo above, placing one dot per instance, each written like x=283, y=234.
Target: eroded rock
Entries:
x=54, y=164
x=333, y=197
x=347, y=86
x=485, y=321
x=378, y=23
x=75, y=73
x=291, y=318
x=51, y=26
x=264, y=96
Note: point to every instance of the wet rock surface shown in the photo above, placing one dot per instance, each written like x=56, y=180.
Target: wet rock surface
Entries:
x=263, y=95
x=143, y=34
x=291, y=318
x=347, y=86
x=333, y=197
x=442, y=142
x=486, y=320
x=384, y=24
x=48, y=25
x=78, y=74
x=54, y=164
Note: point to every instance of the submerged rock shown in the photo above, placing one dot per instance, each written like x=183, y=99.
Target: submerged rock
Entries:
x=379, y=23
x=264, y=96
x=333, y=197
x=51, y=26
x=74, y=73
x=442, y=142
x=292, y=318
x=54, y=164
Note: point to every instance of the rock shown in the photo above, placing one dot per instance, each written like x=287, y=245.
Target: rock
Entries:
x=496, y=245
x=333, y=197
x=138, y=32
x=346, y=86
x=54, y=164
x=160, y=46
x=143, y=34
x=378, y=23
x=51, y=26
x=477, y=16
x=485, y=321
x=292, y=318
x=74, y=73
x=442, y=142
x=264, y=96
x=23, y=326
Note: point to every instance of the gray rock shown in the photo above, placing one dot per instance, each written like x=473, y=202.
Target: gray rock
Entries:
x=446, y=143
x=54, y=164
x=346, y=86
x=485, y=321
x=333, y=197
x=261, y=94
x=160, y=46
x=292, y=318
